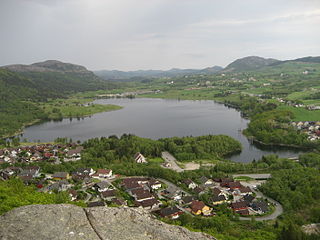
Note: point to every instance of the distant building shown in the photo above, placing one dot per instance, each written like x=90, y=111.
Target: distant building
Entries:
x=139, y=158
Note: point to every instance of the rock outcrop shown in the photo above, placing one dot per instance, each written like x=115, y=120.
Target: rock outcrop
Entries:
x=43, y=222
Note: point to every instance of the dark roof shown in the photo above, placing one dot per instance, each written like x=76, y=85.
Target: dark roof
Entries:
x=218, y=198
x=118, y=201
x=60, y=175
x=243, y=212
x=188, y=199
x=73, y=192
x=143, y=195
x=131, y=185
x=261, y=205
x=203, y=179
x=248, y=198
x=96, y=204
x=187, y=181
x=102, y=184
x=198, y=190
x=109, y=193
x=216, y=191
x=147, y=203
x=234, y=185
x=245, y=189
x=168, y=211
x=237, y=205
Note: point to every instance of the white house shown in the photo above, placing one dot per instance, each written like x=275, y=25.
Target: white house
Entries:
x=139, y=158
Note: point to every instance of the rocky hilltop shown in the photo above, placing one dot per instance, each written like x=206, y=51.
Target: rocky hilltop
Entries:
x=66, y=222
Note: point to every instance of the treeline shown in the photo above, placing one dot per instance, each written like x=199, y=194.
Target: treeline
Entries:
x=249, y=106
x=203, y=147
x=273, y=127
x=183, y=148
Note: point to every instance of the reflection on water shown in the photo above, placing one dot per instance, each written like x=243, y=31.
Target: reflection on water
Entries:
x=157, y=118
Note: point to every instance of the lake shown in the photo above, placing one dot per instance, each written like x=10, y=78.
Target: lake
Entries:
x=157, y=118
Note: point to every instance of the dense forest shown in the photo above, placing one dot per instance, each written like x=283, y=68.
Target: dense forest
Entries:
x=20, y=94
x=183, y=148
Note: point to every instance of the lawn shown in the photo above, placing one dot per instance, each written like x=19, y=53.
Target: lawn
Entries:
x=74, y=107
x=302, y=114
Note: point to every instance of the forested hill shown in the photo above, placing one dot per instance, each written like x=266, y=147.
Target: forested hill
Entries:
x=52, y=78
x=23, y=86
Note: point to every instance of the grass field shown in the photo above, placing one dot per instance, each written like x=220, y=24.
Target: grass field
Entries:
x=74, y=107
x=302, y=114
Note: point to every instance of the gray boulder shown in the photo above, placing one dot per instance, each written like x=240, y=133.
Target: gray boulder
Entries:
x=99, y=223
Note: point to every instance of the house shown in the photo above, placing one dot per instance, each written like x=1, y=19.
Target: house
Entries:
x=170, y=212
x=190, y=184
x=218, y=199
x=187, y=200
x=119, y=201
x=85, y=172
x=248, y=199
x=154, y=184
x=60, y=176
x=241, y=205
x=148, y=204
x=245, y=191
x=260, y=206
x=233, y=185
x=139, y=158
x=102, y=173
x=102, y=186
x=62, y=185
x=75, y=153
x=96, y=204
x=73, y=194
x=33, y=171
x=9, y=172
x=244, y=212
x=129, y=186
x=198, y=208
x=108, y=195
x=198, y=190
x=173, y=193
x=205, y=181
x=141, y=194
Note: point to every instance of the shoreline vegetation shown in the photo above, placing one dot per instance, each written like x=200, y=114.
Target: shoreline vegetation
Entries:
x=59, y=109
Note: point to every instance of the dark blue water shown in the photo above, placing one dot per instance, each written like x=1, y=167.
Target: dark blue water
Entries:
x=157, y=118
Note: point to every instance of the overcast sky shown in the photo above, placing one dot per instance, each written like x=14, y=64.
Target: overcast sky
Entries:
x=156, y=34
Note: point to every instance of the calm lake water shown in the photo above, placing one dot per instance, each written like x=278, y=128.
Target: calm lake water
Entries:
x=157, y=118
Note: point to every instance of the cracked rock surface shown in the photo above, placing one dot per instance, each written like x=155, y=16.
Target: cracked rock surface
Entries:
x=64, y=221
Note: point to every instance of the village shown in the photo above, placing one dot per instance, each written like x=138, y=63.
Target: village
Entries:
x=103, y=187
x=311, y=128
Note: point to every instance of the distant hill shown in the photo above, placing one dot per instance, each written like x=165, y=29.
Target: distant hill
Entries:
x=140, y=74
x=47, y=66
x=57, y=78
x=249, y=63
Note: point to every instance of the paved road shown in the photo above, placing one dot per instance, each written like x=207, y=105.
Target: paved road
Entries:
x=254, y=176
x=168, y=158
x=173, y=186
x=278, y=207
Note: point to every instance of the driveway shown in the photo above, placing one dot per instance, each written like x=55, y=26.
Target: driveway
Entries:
x=168, y=158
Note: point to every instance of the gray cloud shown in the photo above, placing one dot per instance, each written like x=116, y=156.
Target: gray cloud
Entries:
x=158, y=34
